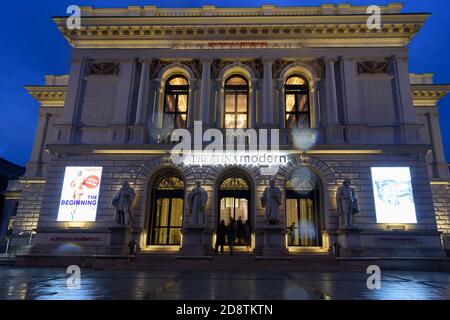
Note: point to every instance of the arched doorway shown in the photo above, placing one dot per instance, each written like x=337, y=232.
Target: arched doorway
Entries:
x=166, y=215
x=303, y=219
x=234, y=201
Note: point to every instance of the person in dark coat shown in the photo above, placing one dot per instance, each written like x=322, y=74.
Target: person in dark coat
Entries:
x=221, y=234
x=247, y=235
x=231, y=234
x=240, y=231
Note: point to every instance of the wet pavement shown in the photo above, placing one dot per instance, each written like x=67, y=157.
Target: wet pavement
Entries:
x=52, y=284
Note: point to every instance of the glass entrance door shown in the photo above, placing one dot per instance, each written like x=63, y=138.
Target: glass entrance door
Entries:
x=168, y=221
x=302, y=222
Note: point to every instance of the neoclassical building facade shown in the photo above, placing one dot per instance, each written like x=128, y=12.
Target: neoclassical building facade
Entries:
x=339, y=93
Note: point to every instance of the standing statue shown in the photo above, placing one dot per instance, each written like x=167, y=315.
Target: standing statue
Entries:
x=347, y=203
x=271, y=201
x=123, y=203
x=197, y=202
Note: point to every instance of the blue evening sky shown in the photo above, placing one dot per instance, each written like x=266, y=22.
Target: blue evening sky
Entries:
x=32, y=47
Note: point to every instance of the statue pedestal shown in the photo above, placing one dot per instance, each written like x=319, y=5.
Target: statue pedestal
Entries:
x=349, y=240
x=120, y=239
x=193, y=244
x=274, y=241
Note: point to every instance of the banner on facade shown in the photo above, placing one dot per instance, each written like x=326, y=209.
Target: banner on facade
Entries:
x=393, y=194
x=79, y=196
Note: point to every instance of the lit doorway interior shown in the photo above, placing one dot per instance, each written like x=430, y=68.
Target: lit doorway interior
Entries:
x=234, y=202
x=167, y=211
x=303, y=222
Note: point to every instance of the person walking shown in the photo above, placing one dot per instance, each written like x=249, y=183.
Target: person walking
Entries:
x=247, y=234
x=292, y=233
x=231, y=234
x=240, y=231
x=220, y=237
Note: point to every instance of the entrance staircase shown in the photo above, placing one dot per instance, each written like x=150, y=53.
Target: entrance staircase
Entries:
x=239, y=261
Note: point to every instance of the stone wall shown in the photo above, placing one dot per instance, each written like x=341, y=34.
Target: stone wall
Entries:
x=441, y=199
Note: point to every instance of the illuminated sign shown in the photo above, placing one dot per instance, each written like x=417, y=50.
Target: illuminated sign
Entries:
x=79, y=196
x=392, y=191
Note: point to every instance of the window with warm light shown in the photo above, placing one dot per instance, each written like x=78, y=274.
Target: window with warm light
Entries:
x=176, y=102
x=236, y=103
x=297, y=107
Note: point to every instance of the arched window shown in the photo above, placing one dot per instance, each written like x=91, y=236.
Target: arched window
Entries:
x=236, y=103
x=297, y=109
x=166, y=211
x=176, y=99
x=303, y=220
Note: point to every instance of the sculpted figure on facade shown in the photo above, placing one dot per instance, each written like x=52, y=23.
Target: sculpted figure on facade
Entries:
x=347, y=204
x=197, y=202
x=271, y=201
x=123, y=202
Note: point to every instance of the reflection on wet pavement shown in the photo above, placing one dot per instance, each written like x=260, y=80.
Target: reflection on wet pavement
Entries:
x=51, y=284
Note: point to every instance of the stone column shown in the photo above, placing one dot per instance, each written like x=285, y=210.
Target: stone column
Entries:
x=401, y=73
x=268, y=110
x=139, y=131
x=34, y=166
x=191, y=103
x=122, y=109
x=316, y=120
x=220, y=104
x=440, y=165
x=74, y=100
x=144, y=89
x=282, y=104
x=157, y=107
x=332, y=104
x=205, y=107
x=252, y=103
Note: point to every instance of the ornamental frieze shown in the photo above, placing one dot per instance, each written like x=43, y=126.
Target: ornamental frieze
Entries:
x=374, y=67
x=103, y=68
x=278, y=66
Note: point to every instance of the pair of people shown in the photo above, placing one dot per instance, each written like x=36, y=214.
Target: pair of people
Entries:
x=234, y=230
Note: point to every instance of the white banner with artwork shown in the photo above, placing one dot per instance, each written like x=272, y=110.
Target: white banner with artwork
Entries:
x=79, y=196
x=393, y=194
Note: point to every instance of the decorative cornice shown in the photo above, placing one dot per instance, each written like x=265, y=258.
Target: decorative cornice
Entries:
x=254, y=32
x=48, y=96
x=428, y=95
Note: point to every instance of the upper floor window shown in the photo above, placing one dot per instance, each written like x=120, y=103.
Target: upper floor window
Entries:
x=298, y=113
x=176, y=99
x=236, y=103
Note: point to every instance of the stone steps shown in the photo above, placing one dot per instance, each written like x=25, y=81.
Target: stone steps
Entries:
x=238, y=261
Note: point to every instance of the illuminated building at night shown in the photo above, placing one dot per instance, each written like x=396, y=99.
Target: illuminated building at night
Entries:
x=340, y=94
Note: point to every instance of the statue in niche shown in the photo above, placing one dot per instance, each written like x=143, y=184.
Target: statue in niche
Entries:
x=123, y=203
x=271, y=201
x=347, y=204
x=197, y=200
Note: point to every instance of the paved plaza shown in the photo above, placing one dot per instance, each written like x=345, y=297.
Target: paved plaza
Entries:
x=51, y=284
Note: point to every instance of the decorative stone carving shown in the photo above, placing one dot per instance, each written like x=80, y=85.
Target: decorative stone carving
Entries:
x=104, y=68
x=123, y=203
x=196, y=67
x=347, y=204
x=271, y=201
x=373, y=67
x=318, y=65
x=278, y=66
x=257, y=66
x=156, y=66
x=197, y=200
x=217, y=66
